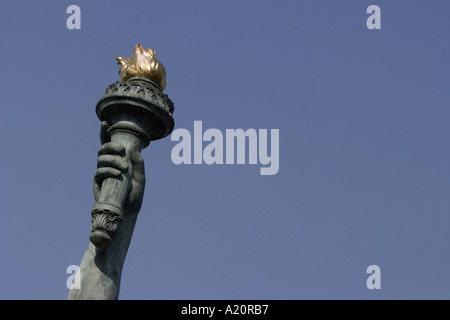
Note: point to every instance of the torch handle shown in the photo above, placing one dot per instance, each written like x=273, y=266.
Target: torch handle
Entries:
x=108, y=212
x=114, y=191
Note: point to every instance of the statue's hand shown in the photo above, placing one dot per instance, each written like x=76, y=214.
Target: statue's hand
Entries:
x=113, y=161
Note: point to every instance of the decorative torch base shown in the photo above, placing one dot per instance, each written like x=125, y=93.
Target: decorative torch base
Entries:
x=104, y=223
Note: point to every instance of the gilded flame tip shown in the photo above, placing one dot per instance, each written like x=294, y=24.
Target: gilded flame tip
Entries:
x=142, y=64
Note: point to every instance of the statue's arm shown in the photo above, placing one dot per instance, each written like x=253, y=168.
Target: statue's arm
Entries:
x=101, y=268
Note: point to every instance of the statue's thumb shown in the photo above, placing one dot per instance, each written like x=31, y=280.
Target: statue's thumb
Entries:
x=104, y=136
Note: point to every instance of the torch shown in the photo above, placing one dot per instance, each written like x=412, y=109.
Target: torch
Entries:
x=137, y=112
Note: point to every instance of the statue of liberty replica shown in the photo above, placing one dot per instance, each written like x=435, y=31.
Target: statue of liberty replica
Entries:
x=133, y=112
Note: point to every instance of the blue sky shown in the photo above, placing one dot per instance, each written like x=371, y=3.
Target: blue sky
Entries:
x=363, y=117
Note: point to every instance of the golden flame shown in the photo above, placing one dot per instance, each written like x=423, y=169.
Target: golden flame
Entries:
x=142, y=64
